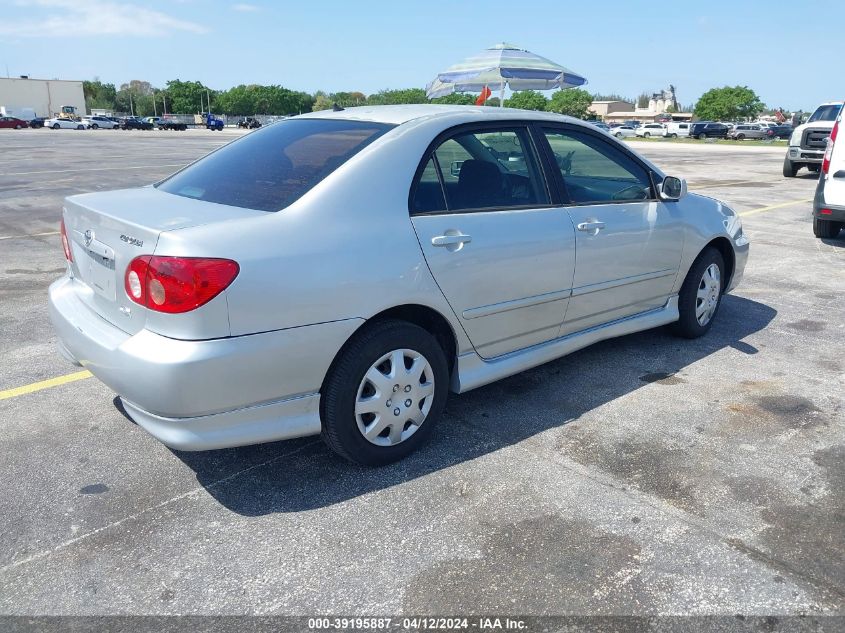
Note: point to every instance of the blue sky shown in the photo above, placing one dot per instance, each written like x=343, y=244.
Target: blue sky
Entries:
x=783, y=50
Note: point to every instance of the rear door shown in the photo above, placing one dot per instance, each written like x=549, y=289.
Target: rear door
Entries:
x=502, y=253
x=628, y=243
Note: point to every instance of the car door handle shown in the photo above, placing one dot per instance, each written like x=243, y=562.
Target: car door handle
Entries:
x=450, y=240
x=591, y=226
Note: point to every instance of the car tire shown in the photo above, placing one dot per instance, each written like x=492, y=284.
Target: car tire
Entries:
x=80, y=127
x=94, y=127
x=814, y=168
x=740, y=137
x=701, y=295
x=618, y=135
x=673, y=135
x=56, y=126
x=790, y=169
x=826, y=229
x=646, y=134
x=17, y=127
x=702, y=136
x=348, y=386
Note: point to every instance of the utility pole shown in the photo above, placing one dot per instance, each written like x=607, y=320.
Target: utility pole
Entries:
x=208, y=99
x=155, y=112
x=131, y=108
x=164, y=103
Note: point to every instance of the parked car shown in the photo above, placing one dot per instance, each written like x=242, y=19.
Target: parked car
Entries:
x=206, y=302
x=779, y=131
x=747, y=130
x=249, y=123
x=623, y=131
x=12, y=122
x=708, y=129
x=65, y=124
x=650, y=129
x=632, y=124
x=677, y=128
x=808, y=142
x=37, y=122
x=96, y=122
x=155, y=121
x=135, y=123
x=829, y=202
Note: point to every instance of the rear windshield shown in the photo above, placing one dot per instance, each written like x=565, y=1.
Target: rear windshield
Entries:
x=825, y=113
x=273, y=167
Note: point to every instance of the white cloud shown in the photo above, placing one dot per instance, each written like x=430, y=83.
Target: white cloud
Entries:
x=85, y=18
x=246, y=8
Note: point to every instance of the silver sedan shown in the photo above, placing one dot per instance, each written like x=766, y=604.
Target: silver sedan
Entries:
x=341, y=272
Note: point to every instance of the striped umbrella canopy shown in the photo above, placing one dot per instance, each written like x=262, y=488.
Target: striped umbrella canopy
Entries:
x=503, y=65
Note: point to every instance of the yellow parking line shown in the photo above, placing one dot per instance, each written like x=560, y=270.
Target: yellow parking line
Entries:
x=19, y=237
x=45, y=384
x=774, y=206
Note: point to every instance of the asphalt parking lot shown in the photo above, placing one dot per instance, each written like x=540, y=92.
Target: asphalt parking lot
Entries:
x=647, y=474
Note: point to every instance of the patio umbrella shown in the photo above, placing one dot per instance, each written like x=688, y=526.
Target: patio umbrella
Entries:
x=503, y=65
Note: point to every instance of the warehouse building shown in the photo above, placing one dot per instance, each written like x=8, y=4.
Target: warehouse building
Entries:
x=45, y=96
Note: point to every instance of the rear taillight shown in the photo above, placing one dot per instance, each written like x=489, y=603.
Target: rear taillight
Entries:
x=65, y=242
x=177, y=284
x=828, y=152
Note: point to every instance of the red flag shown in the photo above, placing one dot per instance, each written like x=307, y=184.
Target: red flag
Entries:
x=483, y=96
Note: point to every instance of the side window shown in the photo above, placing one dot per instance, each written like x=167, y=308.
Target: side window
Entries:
x=428, y=193
x=594, y=171
x=488, y=169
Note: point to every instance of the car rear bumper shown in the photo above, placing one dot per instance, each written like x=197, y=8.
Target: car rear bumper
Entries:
x=196, y=395
x=835, y=212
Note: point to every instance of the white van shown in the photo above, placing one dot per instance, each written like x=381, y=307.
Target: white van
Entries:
x=674, y=129
x=829, y=203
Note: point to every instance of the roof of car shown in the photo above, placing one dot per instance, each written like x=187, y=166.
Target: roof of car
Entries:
x=399, y=114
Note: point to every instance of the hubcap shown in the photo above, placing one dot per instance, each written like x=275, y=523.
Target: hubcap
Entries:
x=394, y=397
x=707, y=297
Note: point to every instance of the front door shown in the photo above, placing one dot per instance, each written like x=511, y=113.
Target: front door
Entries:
x=628, y=243
x=503, y=256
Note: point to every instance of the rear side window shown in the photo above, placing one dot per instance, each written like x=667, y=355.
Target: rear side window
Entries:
x=273, y=167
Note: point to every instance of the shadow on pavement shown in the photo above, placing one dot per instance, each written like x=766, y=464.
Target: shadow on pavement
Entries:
x=303, y=474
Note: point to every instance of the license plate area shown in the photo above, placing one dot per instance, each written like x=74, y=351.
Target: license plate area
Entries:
x=99, y=270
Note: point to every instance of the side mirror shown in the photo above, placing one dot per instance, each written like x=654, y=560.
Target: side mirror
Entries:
x=672, y=189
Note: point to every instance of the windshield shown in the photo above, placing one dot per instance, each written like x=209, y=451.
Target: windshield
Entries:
x=825, y=113
x=273, y=167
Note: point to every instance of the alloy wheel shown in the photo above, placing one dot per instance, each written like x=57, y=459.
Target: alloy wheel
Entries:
x=394, y=397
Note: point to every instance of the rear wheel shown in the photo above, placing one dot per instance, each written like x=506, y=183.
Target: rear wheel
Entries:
x=701, y=294
x=17, y=127
x=384, y=393
x=826, y=228
x=94, y=127
x=702, y=136
x=646, y=134
x=790, y=169
x=56, y=126
x=619, y=135
x=740, y=137
x=673, y=135
x=80, y=127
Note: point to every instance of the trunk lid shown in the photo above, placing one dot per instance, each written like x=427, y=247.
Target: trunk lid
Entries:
x=108, y=230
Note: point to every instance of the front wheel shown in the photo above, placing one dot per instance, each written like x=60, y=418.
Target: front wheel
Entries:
x=702, y=136
x=384, y=393
x=740, y=137
x=826, y=229
x=56, y=126
x=618, y=135
x=790, y=169
x=673, y=135
x=94, y=127
x=646, y=134
x=701, y=294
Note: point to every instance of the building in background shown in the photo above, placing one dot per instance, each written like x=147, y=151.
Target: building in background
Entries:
x=603, y=108
x=45, y=96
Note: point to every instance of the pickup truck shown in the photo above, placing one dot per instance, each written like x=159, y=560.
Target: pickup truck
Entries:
x=808, y=142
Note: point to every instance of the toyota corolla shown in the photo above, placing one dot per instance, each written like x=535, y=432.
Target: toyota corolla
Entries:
x=339, y=273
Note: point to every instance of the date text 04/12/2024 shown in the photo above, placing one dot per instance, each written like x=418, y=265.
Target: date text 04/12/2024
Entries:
x=416, y=624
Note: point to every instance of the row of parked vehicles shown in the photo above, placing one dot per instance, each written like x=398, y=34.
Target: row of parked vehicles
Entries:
x=96, y=122
x=700, y=130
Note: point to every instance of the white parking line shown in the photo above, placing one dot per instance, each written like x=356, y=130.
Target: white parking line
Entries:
x=20, y=237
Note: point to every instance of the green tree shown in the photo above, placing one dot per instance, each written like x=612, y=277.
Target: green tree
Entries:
x=99, y=95
x=573, y=102
x=643, y=99
x=492, y=102
x=527, y=100
x=187, y=97
x=671, y=109
x=611, y=97
x=393, y=97
x=322, y=102
x=456, y=98
x=728, y=103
